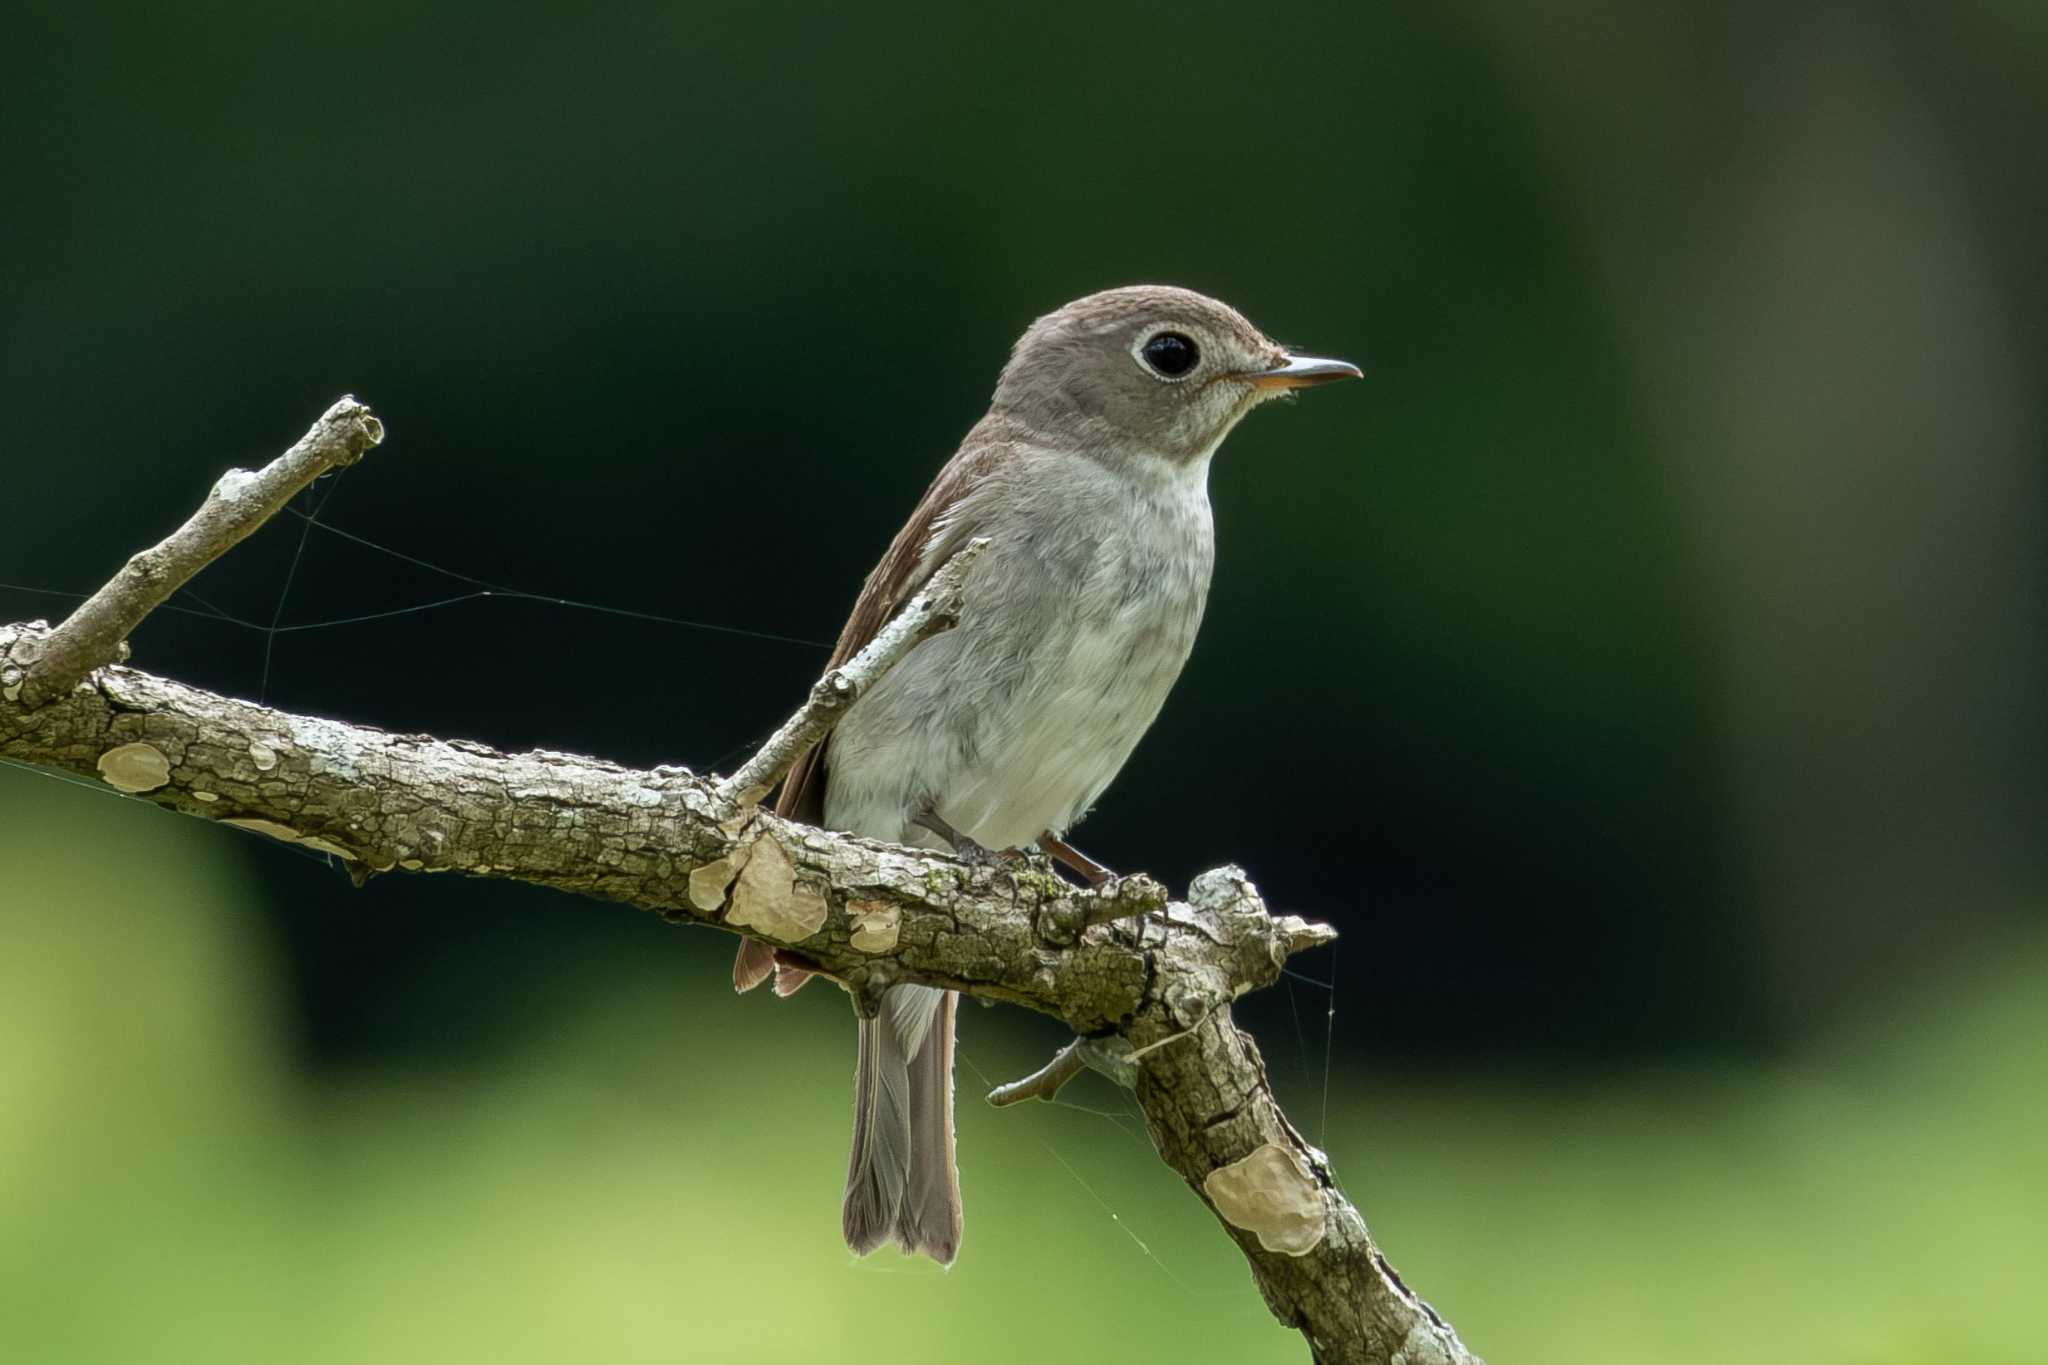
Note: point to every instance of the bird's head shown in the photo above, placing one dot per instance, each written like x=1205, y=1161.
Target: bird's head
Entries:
x=1164, y=371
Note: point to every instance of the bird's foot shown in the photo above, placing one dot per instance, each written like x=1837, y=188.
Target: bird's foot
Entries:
x=1067, y=856
x=966, y=847
x=980, y=855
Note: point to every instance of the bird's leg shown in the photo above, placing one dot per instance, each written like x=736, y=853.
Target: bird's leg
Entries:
x=965, y=846
x=1060, y=851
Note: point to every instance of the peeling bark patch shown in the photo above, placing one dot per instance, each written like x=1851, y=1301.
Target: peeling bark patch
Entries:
x=708, y=883
x=875, y=925
x=135, y=767
x=768, y=897
x=1272, y=1195
x=285, y=834
x=269, y=827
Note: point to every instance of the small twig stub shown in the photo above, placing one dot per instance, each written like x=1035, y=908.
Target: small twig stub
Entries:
x=1044, y=1083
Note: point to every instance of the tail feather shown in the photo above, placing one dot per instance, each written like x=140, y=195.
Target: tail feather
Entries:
x=752, y=964
x=933, y=1200
x=901, y=1181
x=789, y=980
x=878, y=1171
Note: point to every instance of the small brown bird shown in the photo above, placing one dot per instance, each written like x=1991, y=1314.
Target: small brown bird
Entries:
x=1089, y=477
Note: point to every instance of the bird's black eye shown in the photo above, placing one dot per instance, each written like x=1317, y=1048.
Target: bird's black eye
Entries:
x=1170, y=353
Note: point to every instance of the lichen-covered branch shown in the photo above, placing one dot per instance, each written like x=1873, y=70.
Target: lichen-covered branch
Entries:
x=1144, y=981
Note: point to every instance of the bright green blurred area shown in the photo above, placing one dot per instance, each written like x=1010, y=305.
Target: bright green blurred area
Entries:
x=658, y=1179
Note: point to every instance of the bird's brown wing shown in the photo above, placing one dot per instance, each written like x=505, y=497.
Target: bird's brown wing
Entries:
x=934, y=531
x=938, y=526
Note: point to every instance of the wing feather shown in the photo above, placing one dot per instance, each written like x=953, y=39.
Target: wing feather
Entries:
x=942, y=521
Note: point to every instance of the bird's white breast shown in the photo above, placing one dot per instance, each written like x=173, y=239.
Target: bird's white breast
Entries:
x=1080, y=618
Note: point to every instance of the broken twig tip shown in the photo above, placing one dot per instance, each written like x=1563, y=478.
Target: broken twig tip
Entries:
x=1044, y=1083
x=1298, y=935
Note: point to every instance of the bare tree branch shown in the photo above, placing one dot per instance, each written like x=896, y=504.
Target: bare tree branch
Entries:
x=935, y=608
x=95, y=633
x=1147, y=982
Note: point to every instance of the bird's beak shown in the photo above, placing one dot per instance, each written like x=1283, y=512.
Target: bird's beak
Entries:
x=1301, y=371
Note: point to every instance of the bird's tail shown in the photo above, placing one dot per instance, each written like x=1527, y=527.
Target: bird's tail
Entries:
x=901, y=1183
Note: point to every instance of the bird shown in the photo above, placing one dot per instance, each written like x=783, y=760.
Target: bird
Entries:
x=1089, y=479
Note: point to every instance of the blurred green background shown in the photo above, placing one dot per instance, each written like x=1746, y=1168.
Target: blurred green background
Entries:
x=1649, y=657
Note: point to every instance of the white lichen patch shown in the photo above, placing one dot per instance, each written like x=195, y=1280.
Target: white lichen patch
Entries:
x=708, y=883
x=1271, y=1195
x=330, y=746
x=233, y=484
x=263, y=756
x=135, y=767
x=1221, y=887
x=876, y=925
x=768, y=897
x=205, y=796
